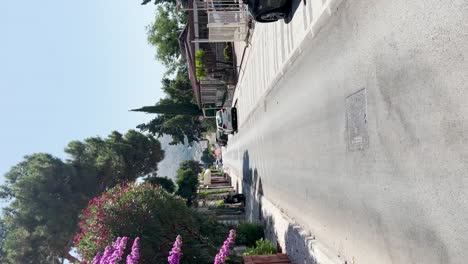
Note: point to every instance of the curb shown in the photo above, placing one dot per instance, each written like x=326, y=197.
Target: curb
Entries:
x=302, y=244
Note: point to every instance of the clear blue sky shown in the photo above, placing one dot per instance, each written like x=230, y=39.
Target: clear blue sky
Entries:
x=71, y=70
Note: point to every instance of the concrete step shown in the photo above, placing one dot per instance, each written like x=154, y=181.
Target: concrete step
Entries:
x=219, y=180
x=216, y=186
x=230, y=217
x=231, y=222
x=221, y=213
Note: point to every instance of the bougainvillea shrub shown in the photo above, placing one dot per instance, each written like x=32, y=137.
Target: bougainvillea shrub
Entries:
x=148, y=212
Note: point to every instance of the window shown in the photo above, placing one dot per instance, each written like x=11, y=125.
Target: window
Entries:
x=219, y=119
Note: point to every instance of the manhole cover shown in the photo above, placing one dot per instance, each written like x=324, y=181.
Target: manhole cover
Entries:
x=356, y=120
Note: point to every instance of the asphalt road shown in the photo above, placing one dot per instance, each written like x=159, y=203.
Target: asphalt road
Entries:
x=364, y=140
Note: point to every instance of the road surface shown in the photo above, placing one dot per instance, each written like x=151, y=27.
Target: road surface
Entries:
x=364, y=138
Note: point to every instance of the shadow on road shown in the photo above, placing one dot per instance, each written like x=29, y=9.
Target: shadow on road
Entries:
x=296, y=240
x=252, y=189
x=294, y=5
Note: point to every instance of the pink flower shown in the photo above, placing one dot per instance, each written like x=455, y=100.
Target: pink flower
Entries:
x=175, y=254
x=134, y=256
x=224, y=251
x=119, y=246
x=97, y=258
x=106, y=255
x=112, y=255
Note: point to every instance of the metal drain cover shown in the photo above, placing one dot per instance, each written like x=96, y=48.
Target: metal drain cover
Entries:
x=356, y=120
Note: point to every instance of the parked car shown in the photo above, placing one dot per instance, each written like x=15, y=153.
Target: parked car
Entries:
x=221, y=138
x=266, y=11
x=226, y=120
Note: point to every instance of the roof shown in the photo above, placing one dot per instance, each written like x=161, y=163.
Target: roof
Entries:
x=187, y=47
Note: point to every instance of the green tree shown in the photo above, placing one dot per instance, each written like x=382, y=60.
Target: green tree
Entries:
x=166, y=183
x=171, y=107
x=208, y=156
x=179, y=127
x=177, y=116
x=192, y=165
x=117, y=158
x=47, y=194
x=179, y=90
x=209, y=125
x=187, y=180
x=3, y=234
x=42, y=217
x=164, y=33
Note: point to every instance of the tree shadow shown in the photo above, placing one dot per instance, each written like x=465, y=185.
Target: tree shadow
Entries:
x=251, y=184
x=246, y=170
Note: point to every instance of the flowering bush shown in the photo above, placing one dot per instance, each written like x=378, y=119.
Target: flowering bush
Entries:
x=148, y=212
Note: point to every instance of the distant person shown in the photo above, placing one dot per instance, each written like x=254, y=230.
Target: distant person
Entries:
x=218, y=164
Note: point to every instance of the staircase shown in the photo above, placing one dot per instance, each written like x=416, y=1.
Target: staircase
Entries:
x=211, y=199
